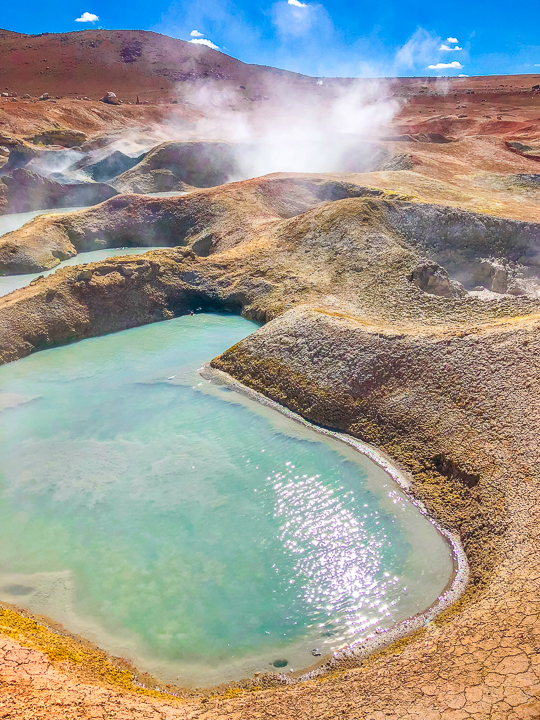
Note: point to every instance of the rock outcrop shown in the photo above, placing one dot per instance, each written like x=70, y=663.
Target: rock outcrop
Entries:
x=23, y=191
x=60, y=136
x=20, y=153
x=432, y=278
x=450, y=245
x=110, y=166
x=208, y=221
x=180, y=166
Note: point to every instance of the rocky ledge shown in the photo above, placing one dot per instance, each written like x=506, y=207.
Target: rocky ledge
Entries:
x=356, y=338
x=23, y=191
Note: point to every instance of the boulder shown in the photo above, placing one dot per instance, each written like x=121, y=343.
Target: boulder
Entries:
x=111, y=99
x=431, y=278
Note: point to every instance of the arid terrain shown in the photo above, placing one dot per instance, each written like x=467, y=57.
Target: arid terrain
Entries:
x=395, y=266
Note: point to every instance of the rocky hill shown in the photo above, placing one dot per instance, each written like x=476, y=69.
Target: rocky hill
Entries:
x=133, y=61
x=177, y=82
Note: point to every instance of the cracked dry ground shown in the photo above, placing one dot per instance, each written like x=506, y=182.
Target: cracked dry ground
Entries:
x=351, y=342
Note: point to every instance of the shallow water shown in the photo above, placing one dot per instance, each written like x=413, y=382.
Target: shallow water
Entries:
x=9, y=283
x=166, y=194
x=8, y=223
x=14, y=221
x=188, y=528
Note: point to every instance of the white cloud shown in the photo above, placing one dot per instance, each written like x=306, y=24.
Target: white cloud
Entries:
x=196, y=33
x=452, y=41
x=536, y=64
x=446, y=66
x=208, y=43
x=295, y=19
x=462, y=75
x=417, y=51
x=87, y=17
x=446, y=47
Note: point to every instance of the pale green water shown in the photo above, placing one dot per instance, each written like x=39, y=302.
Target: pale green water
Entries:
x=9, y=283
x=189, y=528
x=14, y=221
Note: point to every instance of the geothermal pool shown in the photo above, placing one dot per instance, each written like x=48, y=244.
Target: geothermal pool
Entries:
x=14, y=221
x=8, y=223
x=9, y=283
x=191, y=529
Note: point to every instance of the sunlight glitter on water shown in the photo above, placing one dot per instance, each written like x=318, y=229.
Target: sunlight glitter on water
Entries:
x=338, y=560
x=188, y=528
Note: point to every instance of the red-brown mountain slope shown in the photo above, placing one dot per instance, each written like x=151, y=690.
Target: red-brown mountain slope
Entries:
x=130, y=61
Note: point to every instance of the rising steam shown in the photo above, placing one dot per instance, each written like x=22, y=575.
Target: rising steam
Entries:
x=323, y=126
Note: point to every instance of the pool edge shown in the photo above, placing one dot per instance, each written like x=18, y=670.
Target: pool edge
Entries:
x=380, y=639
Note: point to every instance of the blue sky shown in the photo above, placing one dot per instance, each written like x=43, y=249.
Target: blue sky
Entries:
x=330, y=38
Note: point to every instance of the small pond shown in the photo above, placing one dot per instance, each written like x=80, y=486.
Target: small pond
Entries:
x=9, y=283
x=191, y=529
x=14, y=221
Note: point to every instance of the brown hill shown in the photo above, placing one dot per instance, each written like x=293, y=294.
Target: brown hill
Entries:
x=154, y=66
x=471, y=142
x=162, y=70
x=131, y=61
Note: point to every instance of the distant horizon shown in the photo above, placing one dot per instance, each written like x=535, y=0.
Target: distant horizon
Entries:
x=318, y=39
x=427, y=78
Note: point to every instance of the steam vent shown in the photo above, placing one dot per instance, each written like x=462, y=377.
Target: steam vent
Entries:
x=269, y=377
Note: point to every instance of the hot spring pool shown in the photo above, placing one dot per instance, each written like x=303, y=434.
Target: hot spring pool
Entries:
x=9, y=283
x=14, y=221
x=187, y=527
